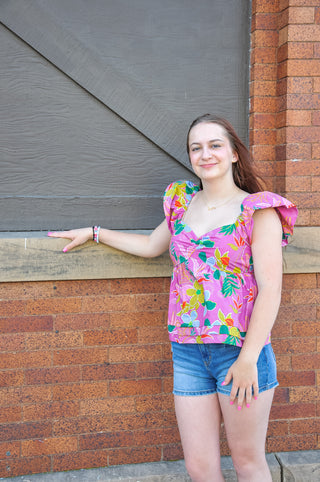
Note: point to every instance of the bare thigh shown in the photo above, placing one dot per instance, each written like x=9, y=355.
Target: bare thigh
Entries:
x=246, y=429
x=199, y=420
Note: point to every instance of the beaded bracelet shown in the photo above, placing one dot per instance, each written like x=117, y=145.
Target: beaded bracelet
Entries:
x=95, y=233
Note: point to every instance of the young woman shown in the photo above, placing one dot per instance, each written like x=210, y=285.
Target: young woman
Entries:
x=225, y=238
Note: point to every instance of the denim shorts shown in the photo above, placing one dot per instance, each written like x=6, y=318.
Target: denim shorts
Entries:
x=201, y=369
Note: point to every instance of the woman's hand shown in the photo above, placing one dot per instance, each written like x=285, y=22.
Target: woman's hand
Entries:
x=77, y=236
x=244, y=374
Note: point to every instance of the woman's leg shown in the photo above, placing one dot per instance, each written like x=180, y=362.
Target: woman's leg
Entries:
x=246, y=431
x=199, y=421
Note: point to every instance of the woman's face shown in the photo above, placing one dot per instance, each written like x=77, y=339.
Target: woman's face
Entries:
x=211, y=154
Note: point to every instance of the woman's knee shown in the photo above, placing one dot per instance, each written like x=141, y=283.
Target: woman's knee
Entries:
x=201, y=469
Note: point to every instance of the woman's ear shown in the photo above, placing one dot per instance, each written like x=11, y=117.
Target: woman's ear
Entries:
x=235, y=157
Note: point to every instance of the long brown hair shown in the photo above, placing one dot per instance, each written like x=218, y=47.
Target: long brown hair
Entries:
x=244, y=174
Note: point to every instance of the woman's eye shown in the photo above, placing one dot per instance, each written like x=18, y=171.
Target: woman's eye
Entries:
x=215, y=146
x=195, y=149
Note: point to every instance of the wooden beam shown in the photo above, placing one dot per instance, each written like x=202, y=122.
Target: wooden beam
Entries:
x=30, y=21
x=35, y=257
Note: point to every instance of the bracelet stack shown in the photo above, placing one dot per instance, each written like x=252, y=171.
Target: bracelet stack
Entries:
x=95, y=233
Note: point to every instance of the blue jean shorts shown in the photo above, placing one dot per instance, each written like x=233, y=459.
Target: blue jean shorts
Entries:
x=201, y=369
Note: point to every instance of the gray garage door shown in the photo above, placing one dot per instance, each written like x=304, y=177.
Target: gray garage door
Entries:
x=97, y=96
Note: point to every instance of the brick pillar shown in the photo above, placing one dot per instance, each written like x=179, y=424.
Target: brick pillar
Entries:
x=298, y=118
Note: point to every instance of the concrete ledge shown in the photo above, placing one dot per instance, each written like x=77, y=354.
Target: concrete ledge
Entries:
x=35, y=257
x=151, y=472
x=300, y=466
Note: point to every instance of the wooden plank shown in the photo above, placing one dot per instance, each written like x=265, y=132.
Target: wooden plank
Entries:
x=27, y=257
x=31, y=22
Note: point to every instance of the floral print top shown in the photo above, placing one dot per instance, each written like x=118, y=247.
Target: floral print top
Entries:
x=213, y=288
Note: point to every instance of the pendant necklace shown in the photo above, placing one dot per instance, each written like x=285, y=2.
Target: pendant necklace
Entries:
x=211, y=208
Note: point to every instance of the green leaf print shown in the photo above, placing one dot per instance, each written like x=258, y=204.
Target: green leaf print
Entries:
x=210, y=305
x=203, y=256
x=207, y=322
x=231, y=340
x=224, y=330
x=216, y=274
x=178, y=227
x=229, y=285
x=171, y=328
x=228, y=229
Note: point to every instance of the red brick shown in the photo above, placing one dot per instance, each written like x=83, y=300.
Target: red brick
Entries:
x=175, y=452
x=137, y=319
x=48, y=446
x=27, y=430
x=262, y=88
x=135, y=353
x=293, y=410
x=50, y=410
x=122, y=388
x=281, y=395
x=80, y=460
x=10, y=414
x=306, y=362
x=42, y=376
x=263, y=72
x=81, y=356
x=27, y=323
x=299, y=183
x=53, y=306
x=110, y=337
x=292, y=379
x=303, y=33
x=264, y=6
x=263, y=55
x=95, y=304
x=263, y=38
x=308, y=328
x=80, y=391
x=13, y=342
x=150, y=302
x=11, y=378
x=293, y=345
x=284, y=362
x=301, y=167
x=277, y=428
x=109, y=371
x=25, y=359
x=159, y=369
x=134, y=455
x=17, y=395
x=106, y=440
x=299, y=281
x=263, y=136
x=156, y=437
x=16, y=467
x=79, y=288
x=12, y=308
x=81, y=322
x=301, y=15
x=304, y=101
x=155, y=403
x=136, y=285
x=153, y=335
x=309, y=426
x=304, y=394
x=107, y=406
x=301, y=85
x=53, y=340
x=301, y=296
x=294, y=442
x=9, y=450
x=263, y=105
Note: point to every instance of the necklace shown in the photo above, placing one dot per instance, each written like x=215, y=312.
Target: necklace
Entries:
x=211, y=208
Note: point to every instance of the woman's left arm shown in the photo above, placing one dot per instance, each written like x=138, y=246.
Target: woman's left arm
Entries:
x=267, y=262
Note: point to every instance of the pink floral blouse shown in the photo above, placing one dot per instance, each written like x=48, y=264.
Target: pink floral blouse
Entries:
x=213, y=288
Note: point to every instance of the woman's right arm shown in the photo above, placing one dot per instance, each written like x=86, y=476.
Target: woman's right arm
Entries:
x=147, y=246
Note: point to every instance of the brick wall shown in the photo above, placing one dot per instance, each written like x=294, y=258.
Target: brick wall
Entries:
x=85, y=370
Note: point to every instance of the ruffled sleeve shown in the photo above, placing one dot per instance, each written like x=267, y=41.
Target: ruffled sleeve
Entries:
x=176, y=199
x=286, y=210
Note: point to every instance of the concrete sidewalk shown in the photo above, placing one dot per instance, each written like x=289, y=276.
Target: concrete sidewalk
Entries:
x=284, y=466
